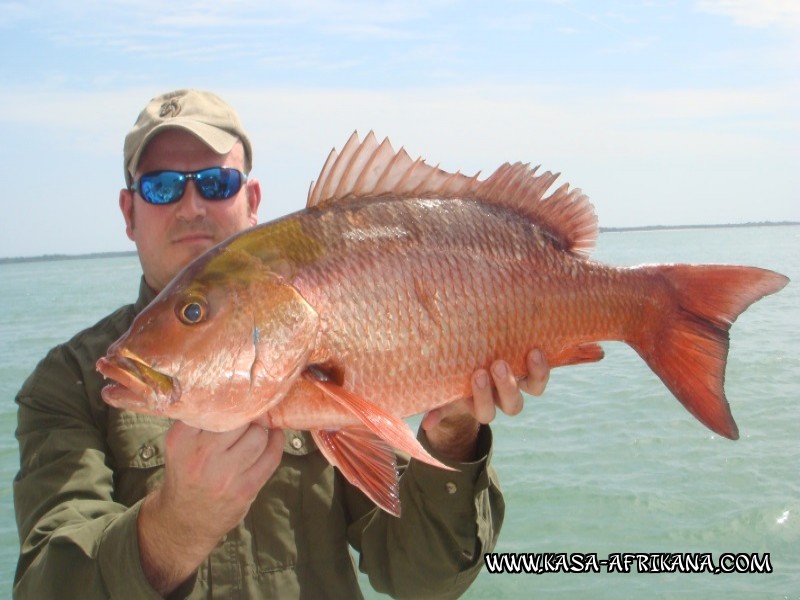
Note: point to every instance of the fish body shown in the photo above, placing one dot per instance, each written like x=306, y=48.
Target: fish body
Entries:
x=455, y=285
x=382, y=297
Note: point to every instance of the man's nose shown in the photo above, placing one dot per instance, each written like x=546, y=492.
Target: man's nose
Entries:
x=192, y=204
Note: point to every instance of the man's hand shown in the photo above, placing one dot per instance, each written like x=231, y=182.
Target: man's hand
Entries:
x=210, y=481
x=452, y=429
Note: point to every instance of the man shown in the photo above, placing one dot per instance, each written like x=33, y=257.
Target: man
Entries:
x=119, y=504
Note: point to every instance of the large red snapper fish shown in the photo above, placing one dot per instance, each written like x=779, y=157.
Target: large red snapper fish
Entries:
x=381, y=298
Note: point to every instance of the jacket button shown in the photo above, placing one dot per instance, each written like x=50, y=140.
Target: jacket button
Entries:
x=297, y=443
x=147, y=452
x=451, y=487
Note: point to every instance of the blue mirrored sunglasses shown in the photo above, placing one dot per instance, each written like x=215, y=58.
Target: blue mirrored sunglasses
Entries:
x=166, y=187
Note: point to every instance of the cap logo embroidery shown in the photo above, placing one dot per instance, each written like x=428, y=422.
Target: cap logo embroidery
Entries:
x=171, y=108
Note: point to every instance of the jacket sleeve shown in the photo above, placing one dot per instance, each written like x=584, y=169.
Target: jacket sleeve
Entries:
x=449, y=519
x=76, y=541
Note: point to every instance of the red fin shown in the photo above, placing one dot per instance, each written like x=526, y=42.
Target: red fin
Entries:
x=366, y=461
x=370, y=169
x=577, y=355
x=689, y=351
x=566, y=214
x=386, y=426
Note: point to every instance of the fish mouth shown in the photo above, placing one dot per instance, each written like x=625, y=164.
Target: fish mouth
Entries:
x=136, y=385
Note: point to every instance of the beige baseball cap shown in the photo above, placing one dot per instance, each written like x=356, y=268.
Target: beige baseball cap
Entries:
x=203, y=114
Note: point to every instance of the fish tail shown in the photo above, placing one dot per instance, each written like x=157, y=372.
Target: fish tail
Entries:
x=690, y=348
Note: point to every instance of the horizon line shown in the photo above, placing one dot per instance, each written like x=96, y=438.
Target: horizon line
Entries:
x=120, y=253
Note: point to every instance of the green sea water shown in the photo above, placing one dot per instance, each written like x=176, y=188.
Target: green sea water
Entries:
x=605, y=462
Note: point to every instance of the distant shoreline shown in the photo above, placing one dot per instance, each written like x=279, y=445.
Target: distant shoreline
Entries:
x=54, y=257
x=728, y=226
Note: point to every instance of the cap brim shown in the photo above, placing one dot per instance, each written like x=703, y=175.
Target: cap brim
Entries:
x=219, y=140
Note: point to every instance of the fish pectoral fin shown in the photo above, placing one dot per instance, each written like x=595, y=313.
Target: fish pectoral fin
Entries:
x=368, y=462
x=577, y=355
x=390, y=428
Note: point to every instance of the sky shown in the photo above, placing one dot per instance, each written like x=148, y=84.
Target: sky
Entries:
x=662, y=112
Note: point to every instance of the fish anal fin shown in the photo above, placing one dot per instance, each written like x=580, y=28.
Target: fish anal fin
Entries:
x=366, y=461
x=390, y=428
x=370, y=169
x=576, y=355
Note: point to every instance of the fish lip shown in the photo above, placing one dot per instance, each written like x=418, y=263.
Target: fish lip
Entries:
x=136, y=385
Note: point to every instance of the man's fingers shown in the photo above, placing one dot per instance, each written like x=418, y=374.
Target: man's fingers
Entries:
x=270, y=457
x=509, y=398
x=248, y=449
x=498, y=387
x=538, y=374
x=502, y=389
x=483, y=397
x=431, y=419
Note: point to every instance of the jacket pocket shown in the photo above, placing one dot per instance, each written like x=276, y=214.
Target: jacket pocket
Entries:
x=137, y=453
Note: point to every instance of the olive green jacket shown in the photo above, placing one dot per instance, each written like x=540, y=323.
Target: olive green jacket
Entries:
x=85, y=467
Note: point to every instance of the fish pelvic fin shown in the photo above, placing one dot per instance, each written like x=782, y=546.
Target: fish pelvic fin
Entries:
x=366, y=461
x=390, y=428
x=371, y=169
x=690, y=349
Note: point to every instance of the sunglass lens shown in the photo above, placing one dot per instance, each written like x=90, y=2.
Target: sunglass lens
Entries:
x=162, y=188
x=218, y=183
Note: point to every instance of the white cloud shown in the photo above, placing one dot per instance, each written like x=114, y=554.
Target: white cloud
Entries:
x=755, y=13
x=249, y=19
x=718, y=134
x=644, y=157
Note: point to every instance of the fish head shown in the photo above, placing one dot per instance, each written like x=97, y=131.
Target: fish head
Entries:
x=216, y=348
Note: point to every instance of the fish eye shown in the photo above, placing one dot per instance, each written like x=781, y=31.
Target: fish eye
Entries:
x=192, y=313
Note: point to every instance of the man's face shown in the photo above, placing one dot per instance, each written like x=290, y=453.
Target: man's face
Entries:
x=170, y=236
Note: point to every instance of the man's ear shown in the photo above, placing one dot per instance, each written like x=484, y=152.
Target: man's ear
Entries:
x=253, y=200
x=126, y=206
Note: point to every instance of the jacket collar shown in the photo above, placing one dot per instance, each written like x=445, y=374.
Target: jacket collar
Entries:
x=146, y=295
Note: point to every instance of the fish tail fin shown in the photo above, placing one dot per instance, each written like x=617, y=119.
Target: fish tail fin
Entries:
x=690, y=348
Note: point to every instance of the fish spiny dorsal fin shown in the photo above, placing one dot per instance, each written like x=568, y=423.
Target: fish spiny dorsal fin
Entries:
x=372, y=169
x=566, y=214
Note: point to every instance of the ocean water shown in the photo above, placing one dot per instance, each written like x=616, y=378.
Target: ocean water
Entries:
x=605, y=462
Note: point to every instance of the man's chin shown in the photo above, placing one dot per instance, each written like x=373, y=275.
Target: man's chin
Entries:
x=181, y=254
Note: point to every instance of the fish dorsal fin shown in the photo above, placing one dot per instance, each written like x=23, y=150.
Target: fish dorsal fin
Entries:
x=372, y=169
